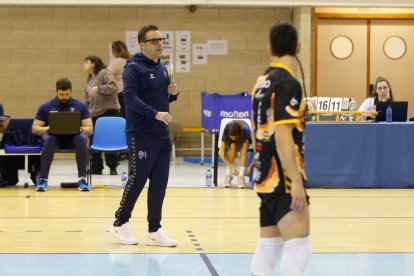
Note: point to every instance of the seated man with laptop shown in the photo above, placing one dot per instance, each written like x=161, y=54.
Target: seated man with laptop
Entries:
x=63, y=122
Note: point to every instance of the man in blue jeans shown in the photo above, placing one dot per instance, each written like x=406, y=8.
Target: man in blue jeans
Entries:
x=63, y=102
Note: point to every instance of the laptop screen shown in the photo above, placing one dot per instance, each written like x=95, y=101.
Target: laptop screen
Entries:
x=399, y=111
x=64, y=122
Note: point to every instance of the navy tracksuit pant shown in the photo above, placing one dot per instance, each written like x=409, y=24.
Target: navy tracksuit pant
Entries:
x=149, y=158
x=53, y=142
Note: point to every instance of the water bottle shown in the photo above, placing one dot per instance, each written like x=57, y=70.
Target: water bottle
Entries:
x=124, y=179
x=209, y=178
x=352, y=107
x=389, y=114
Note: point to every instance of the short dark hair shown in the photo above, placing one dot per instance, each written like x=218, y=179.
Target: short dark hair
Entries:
x=283, y=39
x=142, y=34
x=63, y=84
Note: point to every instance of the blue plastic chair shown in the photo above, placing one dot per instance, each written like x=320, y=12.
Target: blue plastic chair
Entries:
x=108, y=137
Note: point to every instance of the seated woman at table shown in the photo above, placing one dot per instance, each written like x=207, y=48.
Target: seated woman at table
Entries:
x=382, y=93
x=236, y=138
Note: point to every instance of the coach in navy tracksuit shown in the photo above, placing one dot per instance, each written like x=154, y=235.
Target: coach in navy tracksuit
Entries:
x=148, y=90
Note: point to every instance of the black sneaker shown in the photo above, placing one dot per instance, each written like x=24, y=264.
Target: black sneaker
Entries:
x=123, y=156
x=94, y=172
x=113, y=171
x=3, y=182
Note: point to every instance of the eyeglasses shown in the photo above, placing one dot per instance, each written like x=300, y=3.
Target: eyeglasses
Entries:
x=155, y=41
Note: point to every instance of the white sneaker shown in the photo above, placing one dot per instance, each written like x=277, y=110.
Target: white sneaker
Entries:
x=123, y=234
x=241, y=183
x=227, y=181
x=159, y=238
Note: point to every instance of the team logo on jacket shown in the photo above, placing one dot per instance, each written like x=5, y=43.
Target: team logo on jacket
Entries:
x=152, y=76
x=142, y=154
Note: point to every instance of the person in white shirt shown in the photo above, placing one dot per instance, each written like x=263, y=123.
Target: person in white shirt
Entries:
x=382, y=93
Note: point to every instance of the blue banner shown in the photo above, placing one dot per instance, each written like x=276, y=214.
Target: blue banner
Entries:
x=215, y=107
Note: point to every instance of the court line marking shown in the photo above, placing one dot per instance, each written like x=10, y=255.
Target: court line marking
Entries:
x=203, y=256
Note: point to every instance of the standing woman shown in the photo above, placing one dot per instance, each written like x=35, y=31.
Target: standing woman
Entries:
x=102, y=101
x=116, y=67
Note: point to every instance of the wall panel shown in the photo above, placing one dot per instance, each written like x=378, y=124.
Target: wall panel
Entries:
x=40, y=44
x=342, y=77
x=398, y=71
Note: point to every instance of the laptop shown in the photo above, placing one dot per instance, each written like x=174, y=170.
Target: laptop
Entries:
x=64, y=122
x=399, y=111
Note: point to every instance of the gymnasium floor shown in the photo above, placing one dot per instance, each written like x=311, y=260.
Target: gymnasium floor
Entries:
x=64, y=232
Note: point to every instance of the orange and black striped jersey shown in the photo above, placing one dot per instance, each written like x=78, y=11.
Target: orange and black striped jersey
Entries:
x=277, y=99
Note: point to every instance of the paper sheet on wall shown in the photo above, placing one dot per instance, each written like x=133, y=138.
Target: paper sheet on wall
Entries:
x=168, y=52
x=169, y=41
x=131, y=41
x=167, y=58
x=182, y=61
x=217, y=47
x=183, y=41
x=200, y=54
